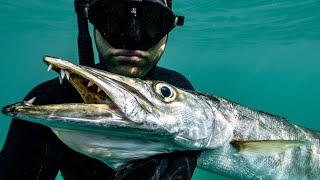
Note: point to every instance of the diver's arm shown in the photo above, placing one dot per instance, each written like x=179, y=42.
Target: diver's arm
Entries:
x=27, y=152
x=170, y=166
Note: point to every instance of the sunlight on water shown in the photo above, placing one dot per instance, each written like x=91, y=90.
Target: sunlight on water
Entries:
x=261, y=54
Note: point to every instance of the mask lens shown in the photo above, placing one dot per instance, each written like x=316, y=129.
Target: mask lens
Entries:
x=112, y=19
x=107, y=17
x=157, y=20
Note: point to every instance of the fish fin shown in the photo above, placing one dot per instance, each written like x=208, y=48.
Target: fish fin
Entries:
x=266, y=147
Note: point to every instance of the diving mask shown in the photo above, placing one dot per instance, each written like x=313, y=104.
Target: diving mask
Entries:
x=132, y=24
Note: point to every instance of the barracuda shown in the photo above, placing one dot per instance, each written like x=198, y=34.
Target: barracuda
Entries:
x=124, y=119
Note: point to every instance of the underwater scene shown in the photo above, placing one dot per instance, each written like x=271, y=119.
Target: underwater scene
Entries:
x=264, y=55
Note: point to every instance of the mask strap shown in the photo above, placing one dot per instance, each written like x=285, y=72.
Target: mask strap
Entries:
x=179, y=21
x=85, y=50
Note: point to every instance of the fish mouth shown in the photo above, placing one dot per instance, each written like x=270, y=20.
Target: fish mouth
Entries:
x=120, y=95
x=87, y=86
x=113, y=104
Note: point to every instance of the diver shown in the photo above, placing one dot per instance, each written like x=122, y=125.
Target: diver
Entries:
x=130, y=36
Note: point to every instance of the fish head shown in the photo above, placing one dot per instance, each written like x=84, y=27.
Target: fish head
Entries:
x=156, y=108
x=124, y=118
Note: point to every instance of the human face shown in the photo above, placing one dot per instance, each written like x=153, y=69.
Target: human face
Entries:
x=132, y=63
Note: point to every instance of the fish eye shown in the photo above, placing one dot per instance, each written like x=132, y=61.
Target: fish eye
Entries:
x=165, y=91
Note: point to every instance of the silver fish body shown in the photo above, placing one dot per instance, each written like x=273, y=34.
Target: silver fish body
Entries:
x=281, y=150
x=124, y=119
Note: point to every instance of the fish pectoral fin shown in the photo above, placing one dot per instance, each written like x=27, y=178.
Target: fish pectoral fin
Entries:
x=265, y=147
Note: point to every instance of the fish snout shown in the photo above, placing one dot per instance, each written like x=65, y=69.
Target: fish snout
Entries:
x=9, y=110
x=15, y=108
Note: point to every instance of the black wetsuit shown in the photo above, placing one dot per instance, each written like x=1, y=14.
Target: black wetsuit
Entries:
x=32, y=151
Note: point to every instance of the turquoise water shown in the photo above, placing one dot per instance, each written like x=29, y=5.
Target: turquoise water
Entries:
x=262, y=54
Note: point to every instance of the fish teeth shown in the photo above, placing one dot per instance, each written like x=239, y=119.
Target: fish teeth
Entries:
x=60, y=79
x=98, y=90
x=67, y=75
x=90, y=84
x=62, y=73
x=32, y=100
x=49, y=67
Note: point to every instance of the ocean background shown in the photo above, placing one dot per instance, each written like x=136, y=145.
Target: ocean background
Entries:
x=264, y=54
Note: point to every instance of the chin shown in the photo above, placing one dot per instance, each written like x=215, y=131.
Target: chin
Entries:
x=130, y=71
